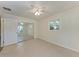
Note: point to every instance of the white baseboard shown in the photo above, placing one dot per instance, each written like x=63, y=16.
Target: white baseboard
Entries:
x=15, y=42
x=10, y=43
x=61, y=45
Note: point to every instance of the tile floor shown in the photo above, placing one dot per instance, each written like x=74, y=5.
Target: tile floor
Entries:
x=36, y=48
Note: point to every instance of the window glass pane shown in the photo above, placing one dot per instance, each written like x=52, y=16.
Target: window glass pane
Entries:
x=54, y=25
x=20, y=27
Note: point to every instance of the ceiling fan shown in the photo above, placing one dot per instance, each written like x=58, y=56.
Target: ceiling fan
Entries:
x=37, y=9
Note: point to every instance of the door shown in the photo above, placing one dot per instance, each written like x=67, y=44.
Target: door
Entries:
x=25, y=31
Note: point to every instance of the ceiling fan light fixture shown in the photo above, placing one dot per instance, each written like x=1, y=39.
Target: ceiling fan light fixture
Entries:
x=37, y=13
x=37, y=10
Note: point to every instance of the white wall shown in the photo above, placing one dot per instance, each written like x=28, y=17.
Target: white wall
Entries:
x=68, y=35
x=10, y=27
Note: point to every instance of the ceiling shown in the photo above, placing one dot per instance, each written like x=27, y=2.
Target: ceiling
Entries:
x=23, y=8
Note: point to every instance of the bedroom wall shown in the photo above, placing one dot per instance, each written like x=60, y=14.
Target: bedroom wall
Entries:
x=10, y=27
x=68, y=35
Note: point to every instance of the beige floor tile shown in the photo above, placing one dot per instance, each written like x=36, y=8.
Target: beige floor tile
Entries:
x=36, y=48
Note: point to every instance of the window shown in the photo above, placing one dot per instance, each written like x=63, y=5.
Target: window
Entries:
x=54, y=25
x=20, y=27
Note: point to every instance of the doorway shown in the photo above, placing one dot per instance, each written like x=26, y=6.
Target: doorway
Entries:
x=25, y=31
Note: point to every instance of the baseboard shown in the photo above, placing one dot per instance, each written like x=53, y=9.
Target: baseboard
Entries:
x=10, y=43
x=36, y=38
x=61, y=45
